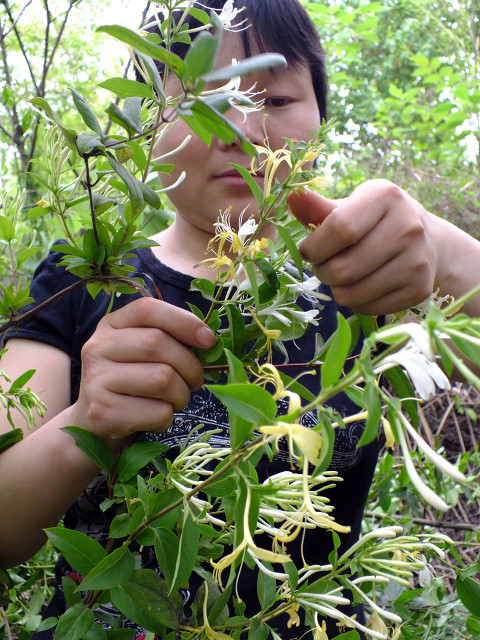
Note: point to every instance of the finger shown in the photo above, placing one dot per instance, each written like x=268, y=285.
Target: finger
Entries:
x=139, y=345
x=181, y=324
x=120, y=418
x=152, y=381
x=309, y=207
x=394, y=287
x=356, y=262
x=350, y=221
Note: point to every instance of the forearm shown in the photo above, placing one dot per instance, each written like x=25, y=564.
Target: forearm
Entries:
x=41, y=476
x=459, y=263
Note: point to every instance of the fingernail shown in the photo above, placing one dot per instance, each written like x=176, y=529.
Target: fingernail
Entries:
x=205, y=337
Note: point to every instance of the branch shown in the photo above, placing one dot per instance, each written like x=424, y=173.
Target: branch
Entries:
x=439, y=524
x=73, y=287
x=48, y=62
x=20, y=42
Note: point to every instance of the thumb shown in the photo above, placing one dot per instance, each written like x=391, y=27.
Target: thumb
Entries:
x=309, y=207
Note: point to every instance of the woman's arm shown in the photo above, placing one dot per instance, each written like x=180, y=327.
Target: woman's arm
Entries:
x=138, y=368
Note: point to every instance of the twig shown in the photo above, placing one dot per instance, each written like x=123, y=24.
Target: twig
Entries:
x=439, y=524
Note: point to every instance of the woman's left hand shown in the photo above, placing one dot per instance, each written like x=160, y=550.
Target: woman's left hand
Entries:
x=376, y=248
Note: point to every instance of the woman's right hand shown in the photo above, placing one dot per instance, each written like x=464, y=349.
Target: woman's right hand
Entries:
x=138, y=368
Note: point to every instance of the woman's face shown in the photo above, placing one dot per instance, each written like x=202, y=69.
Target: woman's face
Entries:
x=211, y=184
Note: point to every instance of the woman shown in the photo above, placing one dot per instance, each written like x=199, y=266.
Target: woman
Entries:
x=134, y=370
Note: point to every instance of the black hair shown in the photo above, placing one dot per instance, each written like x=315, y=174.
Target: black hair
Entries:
x=278, y=26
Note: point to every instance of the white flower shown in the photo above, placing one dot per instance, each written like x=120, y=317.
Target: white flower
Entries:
x=228, y=14
x=304, y=317
x=308, y=288
x=412, y=330
x=423, y=373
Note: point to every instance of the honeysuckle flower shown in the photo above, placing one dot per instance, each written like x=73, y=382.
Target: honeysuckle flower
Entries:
x=378, y=625
x=378, y=611
x=439, y=461
x=266, y=374
x=320, y=631
x=298, y=510
x=423, y=373
x=224, y=232
x=227, y=15
x=305, y=317
x=387, y=430
x=415, y=332
x=224, y=266
x=308, y=288
x=270, y=165
x=308, y=441
x=427, y=494
x=294, y=619
x=344, y=620
x=247, y=545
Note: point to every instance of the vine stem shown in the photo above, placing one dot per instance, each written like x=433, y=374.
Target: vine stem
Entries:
x=90, y=198
x=73, y=287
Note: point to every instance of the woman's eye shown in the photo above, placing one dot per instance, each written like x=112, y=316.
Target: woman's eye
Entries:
x=277, y=102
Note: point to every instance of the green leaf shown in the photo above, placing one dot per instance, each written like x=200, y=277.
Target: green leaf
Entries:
x=404, y=389
x=7, y=229
x=80, y=551
x=126, y=88
x=166, y=551
x=292, y=249
x=373, y=405
x=10, y=438
x=117, y=567
x=187, y=553
x=214, y=122
x=93, y=446
x=135, y=191
x=174, y=62
x=87, y=143
x=266, y=588
x=201, y=56
x=153, y=73
x=258, y=630
x=246, y=66
x=249, y=179
x=336, y=354
x=137, y=456
x=249, y=401
x=86, y=112
x=328, y=441
x=21, y=381
x=123, y=119
x=144, y=599
x=74, y=623
x=236, y=325
x=468, y=590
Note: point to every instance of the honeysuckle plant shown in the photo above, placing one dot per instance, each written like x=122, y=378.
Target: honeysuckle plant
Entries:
x=206, y=511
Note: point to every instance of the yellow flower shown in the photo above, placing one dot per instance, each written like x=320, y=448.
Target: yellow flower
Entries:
x=320, y=631
x=293, y=613
x=387, y=430
x=254, y=249
x=219, y=263
x=267, y=373
x=273, y=159
x=377, y=624
x=308, y=441
x=247, y=545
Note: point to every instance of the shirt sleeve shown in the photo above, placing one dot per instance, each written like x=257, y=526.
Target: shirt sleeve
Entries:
x=54, y=325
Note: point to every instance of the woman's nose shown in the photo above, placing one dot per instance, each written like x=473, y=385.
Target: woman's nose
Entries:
x=250, y=123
